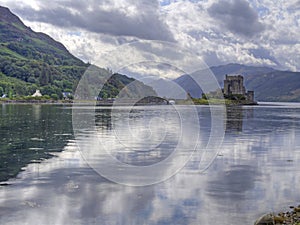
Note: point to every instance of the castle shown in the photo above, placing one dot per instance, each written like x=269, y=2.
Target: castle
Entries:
x=234, y=88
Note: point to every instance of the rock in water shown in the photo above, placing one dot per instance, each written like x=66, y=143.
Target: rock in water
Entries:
x=265, y=220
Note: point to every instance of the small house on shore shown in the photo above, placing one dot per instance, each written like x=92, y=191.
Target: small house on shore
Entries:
x=37, y=94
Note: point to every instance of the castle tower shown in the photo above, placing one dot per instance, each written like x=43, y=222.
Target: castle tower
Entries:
x=234, y=85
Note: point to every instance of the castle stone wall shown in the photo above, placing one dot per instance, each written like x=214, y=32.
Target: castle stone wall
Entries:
x=234, y=85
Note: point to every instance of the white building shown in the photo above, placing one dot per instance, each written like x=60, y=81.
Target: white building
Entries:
x=37, y=94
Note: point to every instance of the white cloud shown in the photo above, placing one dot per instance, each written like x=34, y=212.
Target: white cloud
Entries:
x=194, y=28
x=237, y=16
x=117, y=18
x=188, y=22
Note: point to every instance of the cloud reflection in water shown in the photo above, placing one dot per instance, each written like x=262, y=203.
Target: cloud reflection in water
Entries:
x=257, y=171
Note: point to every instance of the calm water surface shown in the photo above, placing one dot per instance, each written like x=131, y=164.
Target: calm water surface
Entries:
x=256, y=170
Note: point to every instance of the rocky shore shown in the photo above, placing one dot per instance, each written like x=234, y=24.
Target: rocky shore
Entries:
x=291, y=217
x=8, y=101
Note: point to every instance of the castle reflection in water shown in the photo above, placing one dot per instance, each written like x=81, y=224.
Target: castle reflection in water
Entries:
x=235, y=116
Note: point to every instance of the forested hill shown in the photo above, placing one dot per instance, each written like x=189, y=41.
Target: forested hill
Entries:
x=30, y=60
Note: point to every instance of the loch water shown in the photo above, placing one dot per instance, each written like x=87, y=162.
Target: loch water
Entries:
x=50, y=173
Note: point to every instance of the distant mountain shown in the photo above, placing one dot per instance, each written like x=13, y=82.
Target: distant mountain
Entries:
x=189, y=85
x=269, y=84
x=31, y=60
x=112, y=86
x=221, y=71
x=167, y=88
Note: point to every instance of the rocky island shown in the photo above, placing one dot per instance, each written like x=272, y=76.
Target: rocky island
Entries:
x=233, y=92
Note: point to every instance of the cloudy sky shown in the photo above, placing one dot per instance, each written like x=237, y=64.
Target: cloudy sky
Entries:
x=253, y=32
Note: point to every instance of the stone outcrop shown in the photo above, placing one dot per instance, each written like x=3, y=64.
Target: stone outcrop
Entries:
x=288, y=218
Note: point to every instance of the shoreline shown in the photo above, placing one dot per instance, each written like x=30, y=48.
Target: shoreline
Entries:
x=291, y=217
x=37, y=102
x=50, y=102
x=108, y=103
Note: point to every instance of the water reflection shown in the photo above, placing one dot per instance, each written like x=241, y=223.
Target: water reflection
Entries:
x=235, y=117
x=233, y=183
x=30, y=133
x=103, y=118
x=234, y=122
x=257, y=171
x=141, y=136
x=158, y=139
x=37, y=111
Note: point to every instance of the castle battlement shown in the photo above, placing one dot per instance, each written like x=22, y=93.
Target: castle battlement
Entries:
x=234, y=85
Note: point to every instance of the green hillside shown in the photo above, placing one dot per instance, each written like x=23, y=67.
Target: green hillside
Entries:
x=30, y=60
